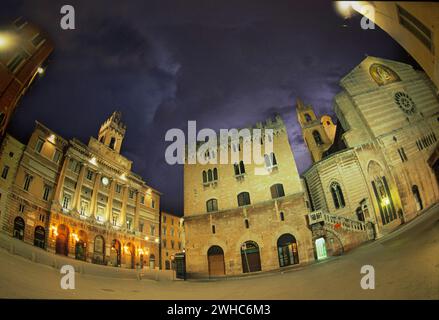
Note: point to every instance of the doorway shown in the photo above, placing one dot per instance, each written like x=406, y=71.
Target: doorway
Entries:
x=251, y=259
x=321, y=249
x=215, y=259
x=287, y=250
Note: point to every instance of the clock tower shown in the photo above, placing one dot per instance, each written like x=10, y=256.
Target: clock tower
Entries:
x=112, y=132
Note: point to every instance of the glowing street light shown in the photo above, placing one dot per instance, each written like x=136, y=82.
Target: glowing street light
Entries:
x=40, y=70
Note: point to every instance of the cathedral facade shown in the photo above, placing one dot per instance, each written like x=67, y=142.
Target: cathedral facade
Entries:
x=377, y=169
x=81, y=201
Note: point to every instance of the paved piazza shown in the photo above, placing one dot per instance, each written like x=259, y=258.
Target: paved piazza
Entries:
x=406, y=267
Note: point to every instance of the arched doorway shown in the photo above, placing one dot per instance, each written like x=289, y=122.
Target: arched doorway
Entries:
x=40, y=237
x=19, y=226
x=321, y=248
x=130, y=255
x=215, y=258
x=81, y=246
x=152, y=262
x=287, y=250
x=418, y=199
x=251, y=260
x=99, y=250
x=115, y=253
x=62, y=240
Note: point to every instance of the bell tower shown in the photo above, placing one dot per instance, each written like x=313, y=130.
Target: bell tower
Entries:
x=112, y=132
x=314, y=132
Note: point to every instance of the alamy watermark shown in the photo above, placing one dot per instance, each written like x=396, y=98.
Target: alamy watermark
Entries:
x=247, y=146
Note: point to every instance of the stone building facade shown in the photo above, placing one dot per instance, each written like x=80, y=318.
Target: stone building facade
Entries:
x=172, y=239
x=24, y=49
x=388, y=126
x=83, y=201
x=239, y=221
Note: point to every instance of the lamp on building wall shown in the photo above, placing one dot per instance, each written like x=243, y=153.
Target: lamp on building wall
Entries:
x=385, y=201
x=157, y=240
x=6, y=40
x=40, y=70
x=54, y=230
x=52, y=138
x=146, y=238
x=75, y=237
x=93, y=161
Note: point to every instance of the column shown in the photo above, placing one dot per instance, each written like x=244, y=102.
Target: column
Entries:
x=137, y=211
x=77, y=197
x=110, y=200
x=94, y=198
x=123, y=212
x=60, y=184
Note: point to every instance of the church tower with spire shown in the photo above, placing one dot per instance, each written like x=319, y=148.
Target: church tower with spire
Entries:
x=317, y=133
x=112, y=132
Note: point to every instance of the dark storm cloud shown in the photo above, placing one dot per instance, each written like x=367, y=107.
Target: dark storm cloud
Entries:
x=162, y=63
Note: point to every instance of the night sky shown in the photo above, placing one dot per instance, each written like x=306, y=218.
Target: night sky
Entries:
x=226, y=64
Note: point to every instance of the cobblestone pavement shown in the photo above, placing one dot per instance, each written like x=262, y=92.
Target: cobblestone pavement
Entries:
x=406, y=267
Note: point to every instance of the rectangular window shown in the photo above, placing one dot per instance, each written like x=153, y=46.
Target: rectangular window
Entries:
x=164, y=219
x=141, y=226
x=27, y=181
x=129, y=223
x=89, y=175
x=164, y=231
x=20, y=23
x=84, y=207
x=164, y=243
x=172, y=232
x=416, y=27
x=142, y=200
x=153, y=204
x=21, y=208
x=39, y=145
x=179, y=245
x=118, y=188
x=152, y=229
x=115, y=218
x=38, y=40
x=56, y=156
x=66, y=201
x=17, y=61
x=172, y=244
x=46, y=193
x=5, y=172
x=131, y=194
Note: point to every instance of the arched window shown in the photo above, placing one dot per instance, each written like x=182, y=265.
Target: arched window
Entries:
x=307, y=117
x=277, y=191
x=317, y=138
x=215, y=174
x=204, y=176
x=112, y=143
x=337, y=195
x=209, y=175
x=243, y=199
x=241, y=167
x=212, y=205
x=270, y=160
